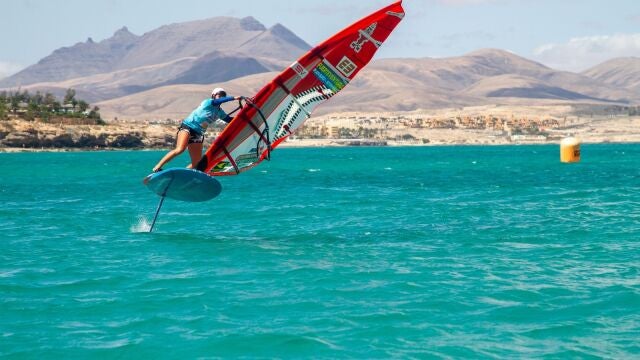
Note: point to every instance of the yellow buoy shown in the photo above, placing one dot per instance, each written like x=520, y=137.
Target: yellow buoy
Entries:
x=570, y=150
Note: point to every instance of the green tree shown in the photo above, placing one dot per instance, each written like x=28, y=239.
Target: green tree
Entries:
x=15, y=100
x=49, y=99
x=95, y=114
x=37, y=99
x=24, y=96
x=56, y=106
x=82, y=106
x=70, y=97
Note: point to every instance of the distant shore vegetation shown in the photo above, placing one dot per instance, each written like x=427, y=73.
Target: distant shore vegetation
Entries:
x=46, y=107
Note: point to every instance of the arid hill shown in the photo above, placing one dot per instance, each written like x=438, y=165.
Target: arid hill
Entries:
x=480, y=78
x=196, y=52
x=622, y=73
x=164, y=73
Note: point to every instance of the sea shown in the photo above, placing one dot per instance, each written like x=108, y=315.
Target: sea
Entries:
x=443, y=252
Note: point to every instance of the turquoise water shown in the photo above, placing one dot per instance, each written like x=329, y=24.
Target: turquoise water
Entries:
x=451, y=252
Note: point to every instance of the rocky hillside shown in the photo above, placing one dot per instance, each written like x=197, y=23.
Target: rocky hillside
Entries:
x=23, y=134
x=166, y=72
x=479, y=78
x=622, y=73
x=204, y=51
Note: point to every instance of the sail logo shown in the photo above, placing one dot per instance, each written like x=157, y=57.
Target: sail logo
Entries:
x=328, y=77
x=396, y=14
x=299, y=69
x=346, y=66
x=364, y=36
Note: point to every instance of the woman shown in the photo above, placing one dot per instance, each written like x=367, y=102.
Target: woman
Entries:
x=191, y=131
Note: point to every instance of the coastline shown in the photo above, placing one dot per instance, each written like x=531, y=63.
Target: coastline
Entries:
x=36, y=136
x=324, y=143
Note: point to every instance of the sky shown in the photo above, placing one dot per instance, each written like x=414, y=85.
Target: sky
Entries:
x=571, y=35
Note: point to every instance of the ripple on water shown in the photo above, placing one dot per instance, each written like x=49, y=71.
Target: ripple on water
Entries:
x=459, y=252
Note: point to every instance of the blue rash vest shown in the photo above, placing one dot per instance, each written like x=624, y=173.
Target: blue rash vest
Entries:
x=208, y=112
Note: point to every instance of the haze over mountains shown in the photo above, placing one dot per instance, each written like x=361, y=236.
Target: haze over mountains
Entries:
x=166, y=72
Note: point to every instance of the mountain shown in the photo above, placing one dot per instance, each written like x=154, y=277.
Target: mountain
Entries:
x=277, y=42
x=457, y=73
x=482, y=77
x=176, y=101
x=166, y=72
x=191, y=39
x=621, y=73
x=487, y=76
x=170, y=54
x=81, y=59
x=486, y=73
x=218, y=67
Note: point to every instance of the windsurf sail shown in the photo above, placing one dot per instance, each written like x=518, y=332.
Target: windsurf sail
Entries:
x=281, y=107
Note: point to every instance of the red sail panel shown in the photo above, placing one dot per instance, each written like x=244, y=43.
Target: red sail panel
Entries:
x=280, y=107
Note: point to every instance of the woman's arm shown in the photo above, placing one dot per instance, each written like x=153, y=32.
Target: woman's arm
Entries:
x=222, y=100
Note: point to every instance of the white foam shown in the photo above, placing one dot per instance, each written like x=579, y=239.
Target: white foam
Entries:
x=143, y=225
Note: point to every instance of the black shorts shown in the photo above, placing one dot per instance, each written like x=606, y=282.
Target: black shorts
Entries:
x=194, y=136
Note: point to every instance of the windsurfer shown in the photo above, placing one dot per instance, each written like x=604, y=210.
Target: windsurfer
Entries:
x=192, y=129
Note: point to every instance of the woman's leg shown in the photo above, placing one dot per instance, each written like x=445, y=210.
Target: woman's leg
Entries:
x=195, y=152
x=181, y=144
